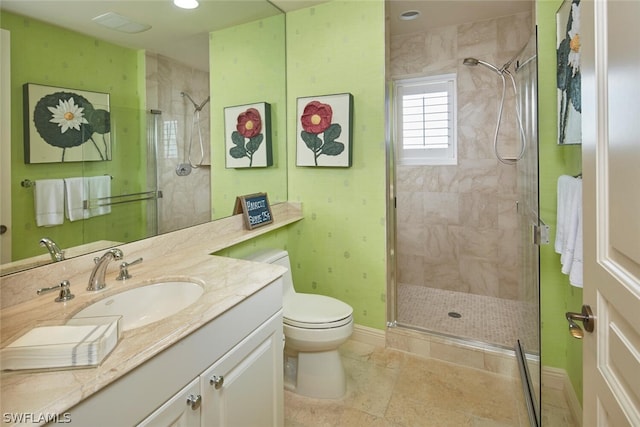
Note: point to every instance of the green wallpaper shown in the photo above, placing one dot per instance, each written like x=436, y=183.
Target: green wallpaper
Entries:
x=248, y=66
x=48, y=55
x=339, y=249
x=556, y=295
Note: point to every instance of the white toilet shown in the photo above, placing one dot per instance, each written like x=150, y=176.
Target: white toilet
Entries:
x=314, y=327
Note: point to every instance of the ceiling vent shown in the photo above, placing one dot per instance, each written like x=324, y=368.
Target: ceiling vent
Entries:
x=120, y=23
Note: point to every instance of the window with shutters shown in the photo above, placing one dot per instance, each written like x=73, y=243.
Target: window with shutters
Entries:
x=425, y=118
x=170, y=139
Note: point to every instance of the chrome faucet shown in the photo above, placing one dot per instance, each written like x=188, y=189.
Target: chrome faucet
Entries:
x=97, y=279
x=54, y=250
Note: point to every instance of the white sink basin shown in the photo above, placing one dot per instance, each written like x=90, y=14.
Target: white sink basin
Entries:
x=146, y=304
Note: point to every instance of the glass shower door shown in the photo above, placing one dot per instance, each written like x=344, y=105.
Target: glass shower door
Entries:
x=533, y=232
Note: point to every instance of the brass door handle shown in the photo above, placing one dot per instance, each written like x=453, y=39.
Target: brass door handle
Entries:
x=587, y=319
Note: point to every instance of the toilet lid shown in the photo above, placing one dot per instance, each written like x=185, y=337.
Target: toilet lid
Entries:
x=315, y=311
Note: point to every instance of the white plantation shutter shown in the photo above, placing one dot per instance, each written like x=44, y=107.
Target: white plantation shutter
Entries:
x=426, y=120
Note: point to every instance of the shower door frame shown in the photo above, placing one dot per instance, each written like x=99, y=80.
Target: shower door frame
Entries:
x=532, y=393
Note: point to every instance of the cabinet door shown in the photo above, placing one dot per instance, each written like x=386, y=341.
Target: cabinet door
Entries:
x=182, y=410
x=244, y=388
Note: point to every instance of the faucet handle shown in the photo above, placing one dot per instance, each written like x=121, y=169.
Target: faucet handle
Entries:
x=65, y=291
x=124, y=269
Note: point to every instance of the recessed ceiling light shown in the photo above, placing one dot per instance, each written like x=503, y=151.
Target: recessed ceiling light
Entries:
x=186, y=4
x=409, y=15
x=120, y=23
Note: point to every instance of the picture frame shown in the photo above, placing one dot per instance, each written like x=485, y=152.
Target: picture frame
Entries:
x=247, y=130
x=65, y=125
x=325, y=130
x=568, y=73
x=255, y=210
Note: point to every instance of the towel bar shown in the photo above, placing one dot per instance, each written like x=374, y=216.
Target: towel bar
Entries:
x=128, y=198
x=27, y=183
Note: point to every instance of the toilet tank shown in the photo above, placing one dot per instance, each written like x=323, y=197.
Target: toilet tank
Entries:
x=275, y=256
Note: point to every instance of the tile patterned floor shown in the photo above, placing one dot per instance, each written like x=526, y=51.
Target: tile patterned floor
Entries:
x=486, y=319
x=392, y=388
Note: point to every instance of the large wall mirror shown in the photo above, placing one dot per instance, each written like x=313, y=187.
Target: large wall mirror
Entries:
x=155, y=141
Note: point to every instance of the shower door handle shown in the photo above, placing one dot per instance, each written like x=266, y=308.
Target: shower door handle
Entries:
x=586, y=317
x=540, y=233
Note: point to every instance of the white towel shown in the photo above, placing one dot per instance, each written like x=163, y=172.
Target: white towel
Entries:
x=99, y=188
x=569, y=228
x=565, y=194
x=49, y=202
x=76, y=191
x=575, y=275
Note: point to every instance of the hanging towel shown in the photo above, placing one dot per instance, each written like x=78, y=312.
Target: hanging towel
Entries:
x=575, y=275
x=49, y=202
x=99, y=188
x=564, y=202
x=76, y=191
x=568, y=241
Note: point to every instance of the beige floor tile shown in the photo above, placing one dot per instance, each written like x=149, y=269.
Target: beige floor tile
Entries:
x=553, y=397
x=302, y=411
x=353, y=417
x=369, y=386
x=381, y=357
x=553, y=416
x=404, y=411
x=391, y=388
x=454, y=388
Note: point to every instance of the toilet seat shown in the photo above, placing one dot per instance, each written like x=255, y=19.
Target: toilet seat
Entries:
x=312, y=311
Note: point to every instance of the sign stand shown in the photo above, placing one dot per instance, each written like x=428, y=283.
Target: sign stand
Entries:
x=255, y=209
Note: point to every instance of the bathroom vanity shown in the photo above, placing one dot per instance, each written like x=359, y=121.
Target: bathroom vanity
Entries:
x=208, y=378
x=204, y=365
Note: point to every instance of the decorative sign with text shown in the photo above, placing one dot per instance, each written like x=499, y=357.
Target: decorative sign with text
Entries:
x=255, y=209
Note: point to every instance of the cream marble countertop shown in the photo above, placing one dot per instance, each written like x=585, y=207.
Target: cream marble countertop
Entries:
x=226, y=283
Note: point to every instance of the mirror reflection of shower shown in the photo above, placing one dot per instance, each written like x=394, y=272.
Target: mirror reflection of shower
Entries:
x=501, y=72
x=184, y=168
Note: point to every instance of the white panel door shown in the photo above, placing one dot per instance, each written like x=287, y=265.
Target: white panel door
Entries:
x=610, y=33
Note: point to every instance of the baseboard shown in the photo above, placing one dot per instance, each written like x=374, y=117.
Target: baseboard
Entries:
x=557, y=379
x=367, y=335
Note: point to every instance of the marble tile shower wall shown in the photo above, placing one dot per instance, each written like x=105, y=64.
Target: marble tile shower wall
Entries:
x=186, y=199
x=457, y=225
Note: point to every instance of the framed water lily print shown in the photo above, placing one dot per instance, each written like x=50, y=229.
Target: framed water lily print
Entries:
x=247, y=134
x=325, y=128
x=65, y=125
x=568, y=73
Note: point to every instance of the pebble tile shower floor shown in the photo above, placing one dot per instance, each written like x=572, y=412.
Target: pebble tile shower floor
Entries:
x=475, y=317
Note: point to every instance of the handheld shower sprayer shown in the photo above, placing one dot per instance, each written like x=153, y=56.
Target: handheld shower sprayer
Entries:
x=472, y=62
x=195, y=105
x=184, y=168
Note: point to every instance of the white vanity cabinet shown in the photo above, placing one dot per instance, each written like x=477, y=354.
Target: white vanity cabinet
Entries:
x=243, y=388
x=182, y=410
x=242, y=348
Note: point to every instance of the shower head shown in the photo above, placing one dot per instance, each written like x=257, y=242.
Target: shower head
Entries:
x=183, y=94
x=472, y=62
x=196, y=106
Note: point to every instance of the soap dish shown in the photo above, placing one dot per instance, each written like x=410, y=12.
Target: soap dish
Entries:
x=74, y=343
